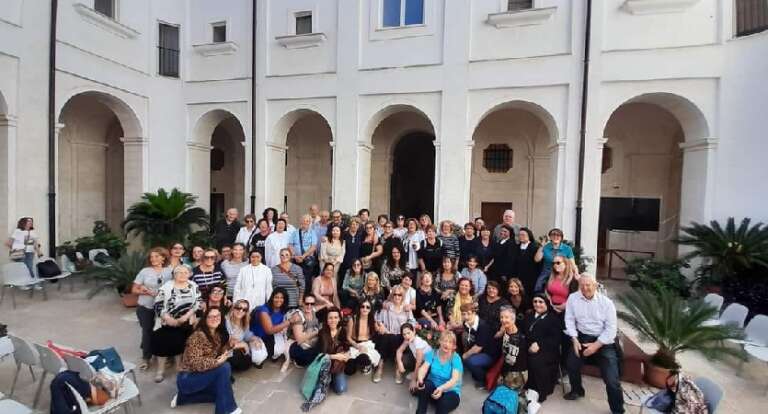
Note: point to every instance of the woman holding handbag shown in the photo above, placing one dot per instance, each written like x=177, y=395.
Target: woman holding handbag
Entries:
x=24, y=244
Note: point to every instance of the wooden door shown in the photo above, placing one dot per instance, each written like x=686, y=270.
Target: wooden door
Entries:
x=492, y=213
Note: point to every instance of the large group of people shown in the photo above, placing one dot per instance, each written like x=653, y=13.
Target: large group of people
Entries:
x=429, y=300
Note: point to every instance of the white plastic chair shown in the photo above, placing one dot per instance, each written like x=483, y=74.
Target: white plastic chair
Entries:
x=13, y=407
x=92, y=256
x=128, y=391
x=713, y=393
x=23, y=354
x=86, y=370
x=734, y=314
x=51, y=363
x=64, y=274
x=714, y=300
x=16, y=276
x=533, y=401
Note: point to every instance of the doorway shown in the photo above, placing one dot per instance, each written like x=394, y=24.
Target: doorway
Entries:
x=492, y=213
x=413, y=176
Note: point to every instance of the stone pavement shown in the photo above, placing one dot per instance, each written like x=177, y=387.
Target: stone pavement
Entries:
x=69, y=318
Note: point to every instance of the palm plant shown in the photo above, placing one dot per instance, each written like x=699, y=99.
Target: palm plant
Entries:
x=117, y=273
x=675, y=325
x=731, y=250
x=163, y=218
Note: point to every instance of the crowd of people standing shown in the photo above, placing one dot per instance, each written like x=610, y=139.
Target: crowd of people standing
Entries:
x=431, y=300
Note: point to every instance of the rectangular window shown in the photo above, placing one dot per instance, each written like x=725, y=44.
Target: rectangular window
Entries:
x=219, y=32
x=751, y=16
x=303, y=23
x=105, y=7
x=514, y=5
x=397, y=13
x=168, y=50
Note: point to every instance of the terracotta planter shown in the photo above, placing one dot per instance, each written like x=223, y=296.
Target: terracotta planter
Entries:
x=130, y=300
x=655, y=375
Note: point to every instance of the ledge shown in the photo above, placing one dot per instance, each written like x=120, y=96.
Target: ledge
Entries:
x=301, y=41
x=110, y=25
x=640, y=7
x=213, y=49
x=520, y=17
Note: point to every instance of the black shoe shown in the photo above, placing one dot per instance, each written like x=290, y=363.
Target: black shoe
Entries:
x=258, y=366
x=573, y=395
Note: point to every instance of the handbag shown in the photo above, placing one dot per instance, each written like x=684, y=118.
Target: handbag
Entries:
x=310, y=261
x=309, y=381
x=16, y=254
x=48, y=268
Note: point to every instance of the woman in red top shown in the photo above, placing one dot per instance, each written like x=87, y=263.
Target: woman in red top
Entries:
x=558, y=285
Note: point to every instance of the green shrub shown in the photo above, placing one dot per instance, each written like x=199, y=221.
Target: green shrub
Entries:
x=657, y=276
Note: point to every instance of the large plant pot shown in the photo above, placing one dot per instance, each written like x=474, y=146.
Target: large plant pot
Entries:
x=130, y=300
x=655, y=375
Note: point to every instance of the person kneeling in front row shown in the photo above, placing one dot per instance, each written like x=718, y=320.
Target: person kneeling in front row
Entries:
x=590, y=321
x=439, y=377
x=204, y=376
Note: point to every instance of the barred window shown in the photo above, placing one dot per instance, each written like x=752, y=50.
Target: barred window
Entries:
x=514, y=5
x=751, y=16
x=168, y=51
x=497, y=158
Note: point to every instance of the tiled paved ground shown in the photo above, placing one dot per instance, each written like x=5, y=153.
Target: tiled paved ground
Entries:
x=70, y=319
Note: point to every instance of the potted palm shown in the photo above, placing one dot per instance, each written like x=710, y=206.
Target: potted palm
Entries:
x=675, y=325
x=164, y=217
x=117, y=274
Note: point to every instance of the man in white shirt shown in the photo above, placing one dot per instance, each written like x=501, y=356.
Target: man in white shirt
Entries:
x=590, y=321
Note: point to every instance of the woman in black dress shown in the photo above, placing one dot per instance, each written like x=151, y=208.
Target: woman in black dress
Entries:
x=526, y=268
x=353, y=241
x=484, y=249
x=504, y=252
x=543, y=333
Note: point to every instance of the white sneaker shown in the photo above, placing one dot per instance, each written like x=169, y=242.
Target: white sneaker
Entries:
x=237, y=411
x=38, y=287
x=173, y=401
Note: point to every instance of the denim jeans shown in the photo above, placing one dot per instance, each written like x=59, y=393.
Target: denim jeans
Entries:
x=212, y=386
x=29, y=260
x=303, y=357
x=608, y=361
x=339, y=383
x=447, y=402
x=477, y=365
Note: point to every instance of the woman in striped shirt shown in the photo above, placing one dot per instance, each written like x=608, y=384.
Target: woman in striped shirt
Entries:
x=290, y=277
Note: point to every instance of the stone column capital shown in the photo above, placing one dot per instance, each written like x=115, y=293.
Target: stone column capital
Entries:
x=137, y=141
x=7, y=120
x=557, y=145
x=703, y=144
x=365, y=146
x=198, y=146
x=600, y=142
x=277, y=147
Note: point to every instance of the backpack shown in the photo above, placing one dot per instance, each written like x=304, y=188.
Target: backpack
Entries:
x=48, y=268
x=502, y=400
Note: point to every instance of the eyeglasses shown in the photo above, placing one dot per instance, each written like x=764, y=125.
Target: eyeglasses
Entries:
x=309, y=303
x=365, y=306
x=217, y=292
x=397, y=294
x=249, y=221
x=558, y=263
x=240, y=308
x=209, y=257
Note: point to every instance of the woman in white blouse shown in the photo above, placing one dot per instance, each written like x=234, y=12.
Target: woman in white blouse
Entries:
x=254, y=282
x=246, y=232
x=274, y=243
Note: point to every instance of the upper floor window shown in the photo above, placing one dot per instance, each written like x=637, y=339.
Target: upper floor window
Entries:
x=168, y=50
x=514, y=5
x=105, y=7
x=304, y=22
x=751, y=16
x=396, y=13
x=219, y=32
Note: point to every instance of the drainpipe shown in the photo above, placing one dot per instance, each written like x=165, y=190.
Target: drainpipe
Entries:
x=52, y=131
x=583, y=131
x=253, y=109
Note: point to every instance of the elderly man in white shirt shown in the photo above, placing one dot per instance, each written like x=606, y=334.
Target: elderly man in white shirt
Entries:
x=590, y=321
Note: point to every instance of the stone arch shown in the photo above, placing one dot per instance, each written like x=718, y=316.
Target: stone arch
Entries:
x=125, y=114
x=527, y=134
x=690, y=116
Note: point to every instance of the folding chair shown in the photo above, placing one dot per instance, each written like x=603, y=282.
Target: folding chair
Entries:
x=23, y=354
x=16, y=276
x=51, y=363
x=64, y=274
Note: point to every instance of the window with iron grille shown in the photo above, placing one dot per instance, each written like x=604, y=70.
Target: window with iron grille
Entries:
x=751, y=16
x=105, y=7
x=303, y=23
x=219, y=32
x=168, y=51
x=514, y=5
x=497, y=158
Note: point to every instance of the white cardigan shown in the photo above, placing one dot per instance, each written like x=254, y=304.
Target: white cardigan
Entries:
x=254, y=284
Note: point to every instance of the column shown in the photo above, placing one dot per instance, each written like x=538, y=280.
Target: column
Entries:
x=199, y=173
x=469, y=146
x=275, y=188
x=7, y=173
x=135, y=169
x=557, y=150
x=364, y=150
x=438, y=202
x=591, y=198
x=696, y=189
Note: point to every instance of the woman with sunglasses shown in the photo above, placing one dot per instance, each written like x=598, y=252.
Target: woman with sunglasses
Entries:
x=388, y=240
x=546, y=256
x=241, y=339
x=247, y=231
x=208, y=274
x=543, y=332
x=147, y=284
x=176, y=256
x=176, y=302
x=204, y=374
x=305, y=327
x=352, y=287
x=216, y=299
x=361, y=328
x=558, y=285
x=389, y=319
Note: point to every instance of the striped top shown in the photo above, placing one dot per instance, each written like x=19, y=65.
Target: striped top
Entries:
x=231, y=271
x=292, y=281
x=451, y=246
x=207, y=280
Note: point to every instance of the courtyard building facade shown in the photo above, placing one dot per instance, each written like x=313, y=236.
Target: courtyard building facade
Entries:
x=456, y=109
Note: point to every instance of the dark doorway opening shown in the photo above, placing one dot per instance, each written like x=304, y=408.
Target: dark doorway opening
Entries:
x=492, y=213
x=217, y=207
x=412, y=190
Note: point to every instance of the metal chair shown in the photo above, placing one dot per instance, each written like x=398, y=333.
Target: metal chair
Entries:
x=13, y=407
x=16, y=276
x=713, y=393
x=734, y=314
x=51, y=363
x=64, y=274
x=23, y=354
x=128, y=391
